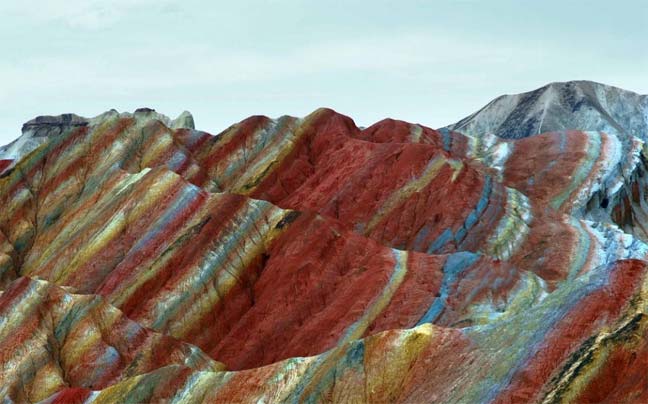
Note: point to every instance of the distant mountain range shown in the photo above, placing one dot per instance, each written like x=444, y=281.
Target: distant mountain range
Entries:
x=581, y=105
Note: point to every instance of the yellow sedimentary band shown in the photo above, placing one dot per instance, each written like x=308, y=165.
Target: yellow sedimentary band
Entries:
x=529, y=291
x=583, y=175
x=21, y=364
x=401, y=195
x=357, y=329
x=17, y=201
x=132, y=139
x=512, y=228
x=129, y=286
x=118, y=392
x=252, y=230
x=117, y=148
x=20, y=230
x=162, y=143
x=27, y=301
x=56, y=197
x=252, y=148
x=268, y=384
x=47, y=378
x=91, y=338
x=199, y=385
x=457, y=166
x=6, y=262
x=272, y=157
x=58, y=333
x=389, y=357
x=586, y=362
x=118, y=222
x=415, y=133
x=78, y=218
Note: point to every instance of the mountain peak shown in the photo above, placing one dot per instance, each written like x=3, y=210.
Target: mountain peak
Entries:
x=582, y=105
x=36, y=131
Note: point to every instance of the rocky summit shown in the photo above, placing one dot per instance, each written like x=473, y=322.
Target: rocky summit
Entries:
x=498, y=260
x=583, y=105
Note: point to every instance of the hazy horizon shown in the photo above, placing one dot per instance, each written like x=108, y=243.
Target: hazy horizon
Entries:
x=420, y=61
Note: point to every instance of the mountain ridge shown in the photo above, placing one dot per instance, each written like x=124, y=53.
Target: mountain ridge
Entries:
x=37, y=130
x=581, y=105
x=319, y=261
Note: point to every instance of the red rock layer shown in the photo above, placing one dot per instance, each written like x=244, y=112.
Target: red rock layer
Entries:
x=556, y=352
x=52, y=340
x=349, y=234
x=4, y=163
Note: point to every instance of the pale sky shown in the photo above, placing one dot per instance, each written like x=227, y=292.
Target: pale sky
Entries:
x=431, y=62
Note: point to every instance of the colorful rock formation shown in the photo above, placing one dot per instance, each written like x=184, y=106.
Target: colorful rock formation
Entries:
x=309, y=260
x=583, y=343
x=52, y=340
x=40, y=129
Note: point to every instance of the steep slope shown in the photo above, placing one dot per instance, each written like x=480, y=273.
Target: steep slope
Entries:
x=610, y=155
x=223, y=271
x=585, y=342
x=98, y=229
x=407, y=196
x=594, y=176
x=285, y=238
x=40, y=129
x=53, y=340
x=582, y=105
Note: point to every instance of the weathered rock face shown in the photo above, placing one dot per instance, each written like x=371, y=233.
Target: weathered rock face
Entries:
x=40, y=129
x=582, y=105
x=593, y=175
x=583, y=343
x=53, y=340
x=305, y=259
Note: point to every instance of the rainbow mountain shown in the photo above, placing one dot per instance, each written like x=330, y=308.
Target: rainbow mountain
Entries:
x=309, y=260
